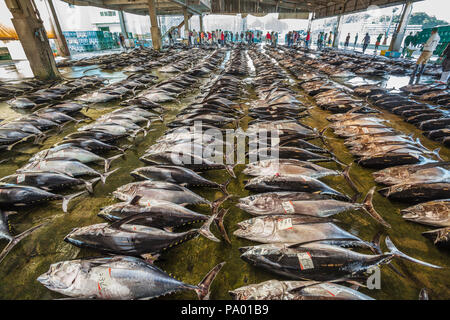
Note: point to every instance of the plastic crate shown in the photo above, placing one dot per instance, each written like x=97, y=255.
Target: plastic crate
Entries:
x=392, y=54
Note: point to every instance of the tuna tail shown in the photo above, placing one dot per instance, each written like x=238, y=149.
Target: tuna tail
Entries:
x=369, y=208
x=66, y=199
x=106, y=175
x=423, y=295
x=346, y=174
x=436, y=153
x=219, y=223
x=90, y=184
x=397, y=253
x=376, y=249
x=12, y=145
x=204, y=285
x=16, y=240
x=322, y=136
x=109, y=160
x=206, y=231
x=40, y=138
x=230, y=170
x=223, y=187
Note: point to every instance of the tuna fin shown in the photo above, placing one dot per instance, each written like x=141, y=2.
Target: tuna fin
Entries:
x=219, y=223
x=346, y=175
x=119, y=223
x=150, y=258
x=135, y=200
x=66, y=199
x=109, y=160
x=204, y=285
x=423, y=295
x=107, y=174
x=205, y=229
x=436, y=153
x=12, y=145
x=16, y=240
x=230, y=170
x=299, y=244
x=90, y=184
x=397, y=253
x=223, y=187
x=370, y=210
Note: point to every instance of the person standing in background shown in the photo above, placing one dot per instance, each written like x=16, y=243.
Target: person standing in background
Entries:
x=308, y=38
x=377, y=44
x=122, y=40
x=329, y=38
x=366, y=42
x=445, y=66
x=408, y=41
x=347, y=40
x=426, y=54
x=356, y=41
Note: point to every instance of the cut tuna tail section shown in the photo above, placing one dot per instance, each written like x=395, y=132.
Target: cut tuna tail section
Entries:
x=107, y=174
x=223, y=187
x=397, y=253
x=205, y=230
x=369, y=208
x=230, y=170
x=90, y=184
x=321, y=134
x=109, y=160
x=346, y=175
x=204, y=285
x=15, y=240
x=220, y=225
x=66, y=199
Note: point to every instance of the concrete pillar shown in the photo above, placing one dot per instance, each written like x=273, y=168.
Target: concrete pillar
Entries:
x=397, y=37
x=123, y=26
x=156, y=34
x=186, y=22
x=310, y=19
x=33, y=37
x=201, y=22
x=336, y=32
x=61, y=44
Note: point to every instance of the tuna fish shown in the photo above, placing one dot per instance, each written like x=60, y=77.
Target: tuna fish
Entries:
x=16, y=195
x=319, y=262
x=434, y=213
x=296, y=290
x=117, y=277
x=157, y=213
x=157, y=190
x=174, y=174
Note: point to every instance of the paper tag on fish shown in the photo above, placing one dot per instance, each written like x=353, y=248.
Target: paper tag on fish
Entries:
x=304, y=258
x=20, y=178
x=284, y=224
x=104, y=279
x=288, y=207
x=331, y=289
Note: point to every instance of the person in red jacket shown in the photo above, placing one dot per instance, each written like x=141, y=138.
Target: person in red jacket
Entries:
x=222, y=38
x=268, y=37
x=308, y=38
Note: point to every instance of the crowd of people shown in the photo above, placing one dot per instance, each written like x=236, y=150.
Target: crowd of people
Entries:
x=219, y=37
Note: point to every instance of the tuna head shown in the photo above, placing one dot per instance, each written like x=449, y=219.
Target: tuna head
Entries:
x=253, y=226
x=62, y=277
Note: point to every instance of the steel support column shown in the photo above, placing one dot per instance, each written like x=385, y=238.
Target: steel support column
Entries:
x=33, y=37
x=156, y=34
x=123, y=26
x=397, y=38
